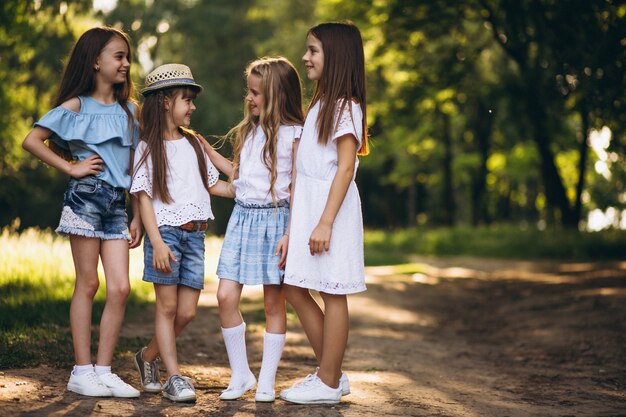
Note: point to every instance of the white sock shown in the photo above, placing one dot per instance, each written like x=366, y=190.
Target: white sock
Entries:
x=82, y=369
x=102, y=370
x=235, y=341
x=272, y=351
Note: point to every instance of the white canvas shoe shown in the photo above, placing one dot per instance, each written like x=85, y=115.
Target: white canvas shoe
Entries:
x=313, y=391
x=344, y=384
x=232, y=393
x=118, y=387
x=88, y=384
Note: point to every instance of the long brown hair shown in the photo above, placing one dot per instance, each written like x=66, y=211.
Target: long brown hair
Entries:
x=343, y=77
x=282, y=89
x=152, y=127
x=79, y=75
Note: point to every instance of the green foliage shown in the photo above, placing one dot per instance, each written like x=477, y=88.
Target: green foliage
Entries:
x=505, y=242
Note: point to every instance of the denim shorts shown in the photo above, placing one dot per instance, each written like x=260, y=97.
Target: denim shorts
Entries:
x=94, y=208
x=188, y=248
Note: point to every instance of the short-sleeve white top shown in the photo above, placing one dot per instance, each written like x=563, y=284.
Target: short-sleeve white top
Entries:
x=190, y=200
x=252, y=185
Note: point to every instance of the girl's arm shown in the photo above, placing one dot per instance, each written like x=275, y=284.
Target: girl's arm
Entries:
x=35, y=144
x=222, y=189
x=283, y=243
x=346, y=155
x=136, y=230
x=162, y=253
x=220, y=162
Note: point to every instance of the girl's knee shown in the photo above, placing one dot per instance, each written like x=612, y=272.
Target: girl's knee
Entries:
x=87, y=287
x=275, y=308
x=186, y=316
x=118, y=292
x=227, y=299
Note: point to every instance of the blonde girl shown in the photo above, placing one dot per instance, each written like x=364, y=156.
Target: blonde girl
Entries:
x=326, y=239
x=256, y=238
x=173, y=178
x=92, y=132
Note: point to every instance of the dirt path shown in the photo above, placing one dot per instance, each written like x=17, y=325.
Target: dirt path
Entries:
x=461, y=337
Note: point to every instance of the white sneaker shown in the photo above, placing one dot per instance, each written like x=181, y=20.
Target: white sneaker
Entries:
x=232, y=393
x=313, y=391
x=118, y=387
x=88, y=384
x=344, y=384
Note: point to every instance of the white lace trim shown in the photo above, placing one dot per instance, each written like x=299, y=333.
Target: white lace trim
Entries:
x=72, y=220
x=182, y=214
x=142, y=182
x=327, y=287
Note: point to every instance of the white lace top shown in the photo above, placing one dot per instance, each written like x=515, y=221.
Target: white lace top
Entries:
x=190, y=200
x=252, y=185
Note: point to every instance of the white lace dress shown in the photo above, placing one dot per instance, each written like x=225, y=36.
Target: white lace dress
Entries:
x=341, y=269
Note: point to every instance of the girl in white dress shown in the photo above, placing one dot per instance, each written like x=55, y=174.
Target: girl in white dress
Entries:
x=325, y=251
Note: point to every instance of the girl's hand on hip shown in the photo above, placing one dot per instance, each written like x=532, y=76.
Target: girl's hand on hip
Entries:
x=161, y=256
x=319, y=241
x=281, y=250
x=88, y=166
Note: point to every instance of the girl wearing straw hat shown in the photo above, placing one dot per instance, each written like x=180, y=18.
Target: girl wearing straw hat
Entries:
x=255, y=244
x=92, y=131
x=173, y=178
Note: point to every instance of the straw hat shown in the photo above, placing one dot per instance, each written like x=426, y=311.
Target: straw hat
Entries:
x=169, y=75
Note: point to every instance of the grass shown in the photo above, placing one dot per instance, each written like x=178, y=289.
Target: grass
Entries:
x=36, y=285
x=503, y=242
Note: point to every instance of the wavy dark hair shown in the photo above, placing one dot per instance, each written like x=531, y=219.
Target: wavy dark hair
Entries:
x=343, y=77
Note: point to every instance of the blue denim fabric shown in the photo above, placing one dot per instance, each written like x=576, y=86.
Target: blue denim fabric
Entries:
x=188, y=248
x=94, y=208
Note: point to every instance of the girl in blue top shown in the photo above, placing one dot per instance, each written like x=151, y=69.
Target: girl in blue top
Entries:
x=91, y=133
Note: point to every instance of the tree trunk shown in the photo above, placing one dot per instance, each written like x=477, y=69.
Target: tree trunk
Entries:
x=449, y=208
x=483, y=124
x=582, y=162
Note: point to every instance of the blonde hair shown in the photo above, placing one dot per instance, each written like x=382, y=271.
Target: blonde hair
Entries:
x=282, y=89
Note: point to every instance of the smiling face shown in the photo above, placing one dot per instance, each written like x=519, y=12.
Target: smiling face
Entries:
x=255, y=97
x=112, y=65
x=313, y=58
x=181, y=107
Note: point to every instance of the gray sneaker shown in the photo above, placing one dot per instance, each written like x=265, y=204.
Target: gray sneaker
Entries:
x=148, y=373
x=178, y=388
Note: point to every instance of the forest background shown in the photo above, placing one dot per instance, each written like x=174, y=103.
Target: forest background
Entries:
x=481, y=112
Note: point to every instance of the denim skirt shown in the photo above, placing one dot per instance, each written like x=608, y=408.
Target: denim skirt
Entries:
x=248, y=252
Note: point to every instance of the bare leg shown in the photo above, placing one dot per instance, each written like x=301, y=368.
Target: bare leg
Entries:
x=85, y=252
x=336, y=325
x=185, y=313
x=275, y=311
x=228, y=295
x=114, y=254
x=166, y=306
x=310, y=315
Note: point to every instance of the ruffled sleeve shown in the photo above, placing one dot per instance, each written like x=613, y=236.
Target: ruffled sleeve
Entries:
x=92, y=129
x=142, y=176
x=349, y=121
x=212, y=174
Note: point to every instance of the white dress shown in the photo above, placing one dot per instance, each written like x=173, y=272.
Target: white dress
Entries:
x=341, y=269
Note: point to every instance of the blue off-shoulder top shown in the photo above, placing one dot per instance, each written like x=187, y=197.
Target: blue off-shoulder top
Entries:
x=97, y=128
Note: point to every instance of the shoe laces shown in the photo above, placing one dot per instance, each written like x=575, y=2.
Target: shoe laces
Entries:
x=306, y=381
x=93, y=378
x=113, y=378
x=179, y=384
x=150, y=371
